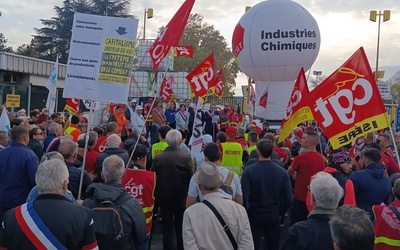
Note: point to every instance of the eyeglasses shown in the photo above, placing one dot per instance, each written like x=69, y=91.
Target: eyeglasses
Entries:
x=39, y=133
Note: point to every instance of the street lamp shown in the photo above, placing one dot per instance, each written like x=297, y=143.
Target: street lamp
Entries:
x=372, y=17
x=317, y=74
x=149, y=13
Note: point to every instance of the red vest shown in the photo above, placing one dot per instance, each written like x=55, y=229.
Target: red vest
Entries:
x=387, y=227
x=141, y=184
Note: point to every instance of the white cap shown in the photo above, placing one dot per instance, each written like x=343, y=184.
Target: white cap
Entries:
x=133, y=100
x=138, y=107
x=207, y=139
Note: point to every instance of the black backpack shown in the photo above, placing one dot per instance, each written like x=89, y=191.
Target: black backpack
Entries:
x=108, y=224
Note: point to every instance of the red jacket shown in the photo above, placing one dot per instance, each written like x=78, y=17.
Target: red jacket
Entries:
x=387, y=227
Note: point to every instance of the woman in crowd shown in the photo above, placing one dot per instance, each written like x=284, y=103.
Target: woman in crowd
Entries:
x=182, y=121
x=235, y=118
x=170, y=114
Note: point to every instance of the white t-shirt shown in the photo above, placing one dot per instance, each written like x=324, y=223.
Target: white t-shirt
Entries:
x=194, y=190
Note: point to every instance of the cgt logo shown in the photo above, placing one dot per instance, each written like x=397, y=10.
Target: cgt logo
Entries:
x=343, y=102
x=294, y=100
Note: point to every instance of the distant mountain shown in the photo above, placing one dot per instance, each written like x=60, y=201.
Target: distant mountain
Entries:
x=391, y=72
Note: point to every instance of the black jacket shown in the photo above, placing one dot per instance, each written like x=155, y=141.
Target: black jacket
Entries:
x=36, y=147
x=75, y=178
x=311, y=234
x=133, y=218
x=71, y=224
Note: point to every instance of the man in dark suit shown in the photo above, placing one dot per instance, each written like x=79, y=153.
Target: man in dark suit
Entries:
x=191, y=112
x=174, y=168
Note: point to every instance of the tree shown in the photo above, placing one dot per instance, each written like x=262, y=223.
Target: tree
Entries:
x=3, y=44
x=55, y=37
x=27, y=50
x=315, y=82
x=204, y=39
x=395, y=91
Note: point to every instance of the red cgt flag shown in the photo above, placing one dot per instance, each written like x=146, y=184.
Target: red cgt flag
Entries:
x=166, y=91
x=72, y=106
x=171, y=34
x=202, y=77
x=347, y=105
x=218, y=84
x=184, y=51
x=292, y=117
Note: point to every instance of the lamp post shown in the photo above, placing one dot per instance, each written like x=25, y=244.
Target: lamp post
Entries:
x=372, y=17
x=148, y=13
x=317, y=74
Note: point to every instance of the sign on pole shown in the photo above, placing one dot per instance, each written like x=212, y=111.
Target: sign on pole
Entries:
x=384, y=90
x=100, y=58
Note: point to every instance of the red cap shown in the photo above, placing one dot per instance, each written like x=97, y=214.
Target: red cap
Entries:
x=231, y=131
x=298, y=132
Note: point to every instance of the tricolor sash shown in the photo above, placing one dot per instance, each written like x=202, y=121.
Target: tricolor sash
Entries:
x=160, y=115
x=51, y=144
x=34, y=228
x=183, y=116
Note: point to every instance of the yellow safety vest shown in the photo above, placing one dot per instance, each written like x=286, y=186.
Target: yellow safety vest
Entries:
x=157, y=148
x=232, y=153
x=250, y=149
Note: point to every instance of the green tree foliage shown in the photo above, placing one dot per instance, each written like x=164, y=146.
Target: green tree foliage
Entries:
x=27, y=50
x=204, y=39
x=3, y=44
x=55, y=37
x=395, y=91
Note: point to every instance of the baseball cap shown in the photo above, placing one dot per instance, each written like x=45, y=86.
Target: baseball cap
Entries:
x=231, y=131
x=340, y=157
x=208, y=175
x=138, y=107
x=298, y=132
x=140, y=152
x=207, y=139
x=67, y=113
x=133, y=100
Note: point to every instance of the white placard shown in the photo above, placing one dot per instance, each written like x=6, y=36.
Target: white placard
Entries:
x=100, y=58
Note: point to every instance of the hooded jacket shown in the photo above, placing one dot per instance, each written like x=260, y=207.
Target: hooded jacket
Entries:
x=132, y=218
x=75, y=170
x=371, y=187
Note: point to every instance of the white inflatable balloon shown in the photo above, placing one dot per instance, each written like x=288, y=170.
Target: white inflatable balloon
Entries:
x=274, y=39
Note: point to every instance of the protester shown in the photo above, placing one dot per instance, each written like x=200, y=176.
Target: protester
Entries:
x=170, y=115
x=235, y=118
x=304, y=165
x=113, y=142
x=141, y=183
x=224, y=122
x=182, y=121
x=3, y=139
x=172, y=164
x=66, y=226
x=212, y=154
x=232, y=152
x=73, y=128
x=132, y=217
x=18, y=165
x=267, y=194
x=211, y=118
x=138, y=121
x=351, y=229
x=387, y=222
x=52, y=140
x=44, y=116
x=371, y=186
x=314, y=233
x=158, y=119
x=122, y=122
x=192, y=114
x=101, y=145
x=36, y=137
x=160, y=146
x=129, y=112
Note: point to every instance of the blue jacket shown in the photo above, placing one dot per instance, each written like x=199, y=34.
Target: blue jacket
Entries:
x=46, y=143
x=18, y=165
x=371, y=187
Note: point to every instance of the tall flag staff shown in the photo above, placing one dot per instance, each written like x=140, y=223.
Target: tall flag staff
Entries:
x=51, y=85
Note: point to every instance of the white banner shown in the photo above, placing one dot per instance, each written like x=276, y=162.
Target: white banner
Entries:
x=272, y=99
x=4, y=121
x=196, y=141
x=100, y=58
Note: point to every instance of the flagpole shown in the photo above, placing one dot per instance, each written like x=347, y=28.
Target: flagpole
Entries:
x=393, y=141
x=86, y=148
x=151, y=107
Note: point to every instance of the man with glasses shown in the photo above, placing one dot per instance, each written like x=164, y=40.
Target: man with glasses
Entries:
x=36, y=137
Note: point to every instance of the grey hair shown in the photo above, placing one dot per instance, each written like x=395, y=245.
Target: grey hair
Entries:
x=53, y=127
x=53, y=155
x=93, y=137
x=352, y=229
x=173, y=137
x=326, y=190
x=113, y=141
x=113, y=169
x=50, y=176
x=240, y=131
x=68, y=149
x=3, y=134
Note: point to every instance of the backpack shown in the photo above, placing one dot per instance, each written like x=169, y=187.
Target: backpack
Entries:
x=108, y=224
x=226, y=185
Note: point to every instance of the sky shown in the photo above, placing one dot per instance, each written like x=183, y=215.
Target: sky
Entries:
x=344, y=25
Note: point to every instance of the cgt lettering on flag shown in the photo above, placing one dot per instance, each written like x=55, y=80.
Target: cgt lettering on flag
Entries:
x=202, y=76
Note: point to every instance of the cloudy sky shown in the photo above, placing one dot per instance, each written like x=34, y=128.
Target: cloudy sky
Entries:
x=344, y=25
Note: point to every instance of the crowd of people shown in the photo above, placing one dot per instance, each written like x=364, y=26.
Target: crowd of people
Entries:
x=64, y=185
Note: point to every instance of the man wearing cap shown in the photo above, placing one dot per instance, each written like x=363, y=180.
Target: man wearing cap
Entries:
x=137, y=121
x=232, y=152
x=73, y=128
x=296, y=144
x=305, y=166
x=129, y=112
x=212, y=154
x=202, y=229
x=141, y=183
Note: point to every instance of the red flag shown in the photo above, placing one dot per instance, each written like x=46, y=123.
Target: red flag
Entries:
x=264, y=100
x=218, y=84
x=291, y=119
x=202, y=76
x=72, y=106
x=252, y=95
x=166, y=91
x=347, y=104
x=184, y=51
x=171, y=34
